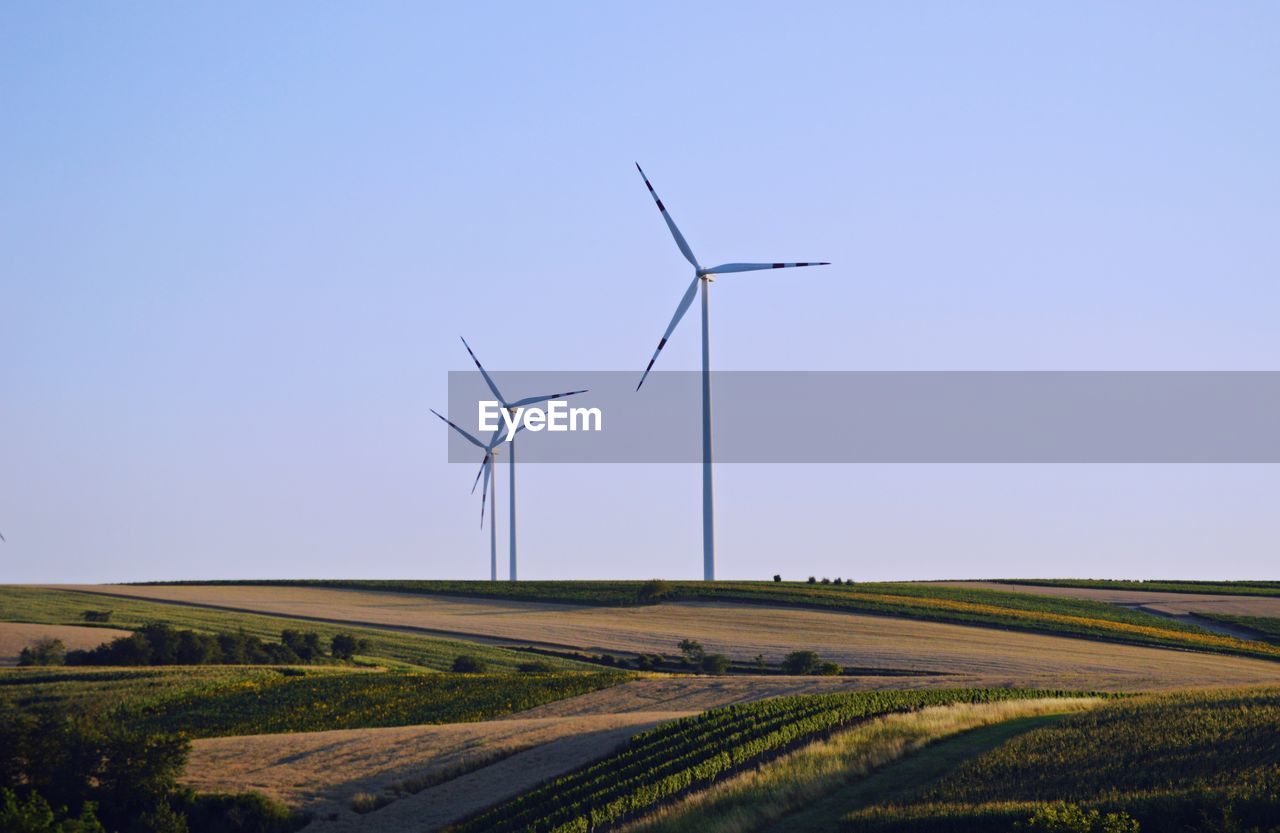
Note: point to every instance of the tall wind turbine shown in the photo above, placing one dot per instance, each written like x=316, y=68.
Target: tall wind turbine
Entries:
x=703, y=275
x=490, y=486
x=511, y=407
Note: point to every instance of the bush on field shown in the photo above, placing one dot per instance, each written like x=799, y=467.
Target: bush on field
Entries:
x=536, y=666
x=655, y=589
x=809, y=663
x=468, y=664
x=43, y=652
x=715, y=664
x=1061, y=817
x=692, y=652
x=346, y=646
x=96, y=615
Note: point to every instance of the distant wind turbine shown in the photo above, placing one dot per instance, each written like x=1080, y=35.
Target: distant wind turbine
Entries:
x=511, y=407
x=490, y=486
x=703, y=275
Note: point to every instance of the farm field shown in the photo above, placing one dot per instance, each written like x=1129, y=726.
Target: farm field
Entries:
x=238, y=700
x=1039, y=613
x=1201, y=761
x=1163, y=601
x=314, y=770
x=395, y=740
x=386, y=646
x=970, y=655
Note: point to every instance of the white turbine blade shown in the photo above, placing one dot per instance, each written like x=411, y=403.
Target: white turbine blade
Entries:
x=485, y=374
x=675, y=232
x=534, y=400
x=675, y=319
x=470, y=438
x=484, y=492
x=484, y=464
x=755, y=267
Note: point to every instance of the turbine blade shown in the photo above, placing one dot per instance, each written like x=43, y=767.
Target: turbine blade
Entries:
x=483, y=465
x=533, y=400
x=470, y=438
x=755, y=267
x=675, y=319
x=484, y=492
x=675, y=232
x=485, y=374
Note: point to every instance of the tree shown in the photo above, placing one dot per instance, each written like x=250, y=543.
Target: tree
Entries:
x=715, y=664
x=468, y=664
x=808, y=662
x=43, y=652
x=777, y=576
x=693, y=652
x=346, y=646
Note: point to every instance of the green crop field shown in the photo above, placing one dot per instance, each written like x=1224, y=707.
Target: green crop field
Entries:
x=64, y=607
x=961, y=605
x=684, y=755
x=211, y=701
x=1189, y=761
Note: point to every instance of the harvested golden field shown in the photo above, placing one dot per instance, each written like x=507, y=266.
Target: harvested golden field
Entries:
x=14, y=636
x=969, y=655
x=1176, y=604
x=322, y=771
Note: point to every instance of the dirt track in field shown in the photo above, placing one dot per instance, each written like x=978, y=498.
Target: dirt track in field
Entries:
x=314, y=770
x=14, y=636
x=965, y=654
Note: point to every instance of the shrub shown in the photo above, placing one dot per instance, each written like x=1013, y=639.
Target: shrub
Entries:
x=468, y=664
x=693, y=652
x=536, y=666
x=96, y=615
x=305, y=645
x=826, y=580
x=43, y=652
x=777, y=576
x=1061, y=817
x=715, y=664
x=808, y=662
x=812, y=580
x=346, y=646
x=838, y=580
x=655, y=589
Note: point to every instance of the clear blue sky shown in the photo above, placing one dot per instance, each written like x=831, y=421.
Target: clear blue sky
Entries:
x=238, y=244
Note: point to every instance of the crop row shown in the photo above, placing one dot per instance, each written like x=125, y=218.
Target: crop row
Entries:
x=211, y=702
x=1172, y=761
x=665, y=762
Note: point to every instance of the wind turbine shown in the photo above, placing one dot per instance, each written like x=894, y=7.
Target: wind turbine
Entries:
x=490, y=486
x=703, y=275
x=511, y=407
